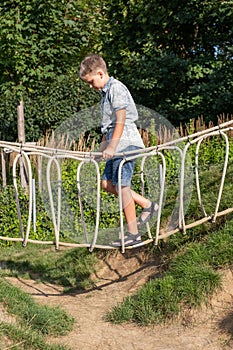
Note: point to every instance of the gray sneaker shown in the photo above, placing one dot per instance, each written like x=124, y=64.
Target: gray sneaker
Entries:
x=130, y=239
x=151, y=210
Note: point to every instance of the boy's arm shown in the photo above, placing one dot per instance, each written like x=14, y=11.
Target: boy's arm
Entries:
x=103, y=144
x=117, y=133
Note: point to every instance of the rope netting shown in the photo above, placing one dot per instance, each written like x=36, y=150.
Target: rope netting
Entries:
x=79, y=223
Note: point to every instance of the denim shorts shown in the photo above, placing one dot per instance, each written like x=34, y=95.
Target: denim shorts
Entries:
x=112, y=166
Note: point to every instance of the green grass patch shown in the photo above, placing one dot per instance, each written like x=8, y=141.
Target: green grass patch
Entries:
x=23, y=338
x=190, y=279
x=44, y=319
x=70, y=268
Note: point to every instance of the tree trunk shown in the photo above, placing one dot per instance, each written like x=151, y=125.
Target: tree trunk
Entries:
x=21, y=129
x=21, y=139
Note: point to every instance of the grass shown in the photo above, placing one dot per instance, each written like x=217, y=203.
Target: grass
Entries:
x=34, y=323
x=190, y=279
x=191, y=263
x=45, y=319
x=70, y=268
x=23, y=338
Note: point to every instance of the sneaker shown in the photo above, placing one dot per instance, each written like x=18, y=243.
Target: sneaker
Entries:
x=130, y=239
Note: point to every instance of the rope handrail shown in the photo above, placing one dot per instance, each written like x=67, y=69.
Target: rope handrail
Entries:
x=31, y=146
x=53, y=155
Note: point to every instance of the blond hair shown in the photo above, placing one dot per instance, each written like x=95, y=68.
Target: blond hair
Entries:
x=91, y=63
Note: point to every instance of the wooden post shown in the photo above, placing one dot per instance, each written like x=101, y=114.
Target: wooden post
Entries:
x=3, y=157
x=21, y=138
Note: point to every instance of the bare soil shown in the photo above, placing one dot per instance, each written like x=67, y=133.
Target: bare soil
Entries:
x=121, y=275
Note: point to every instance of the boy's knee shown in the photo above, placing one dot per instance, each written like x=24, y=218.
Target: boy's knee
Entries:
x=108, y=186
x=104, y=185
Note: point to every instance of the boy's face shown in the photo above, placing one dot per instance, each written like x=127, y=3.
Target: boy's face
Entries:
x=96, y=80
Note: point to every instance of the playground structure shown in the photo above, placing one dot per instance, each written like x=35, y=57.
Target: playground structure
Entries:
x=24, y=153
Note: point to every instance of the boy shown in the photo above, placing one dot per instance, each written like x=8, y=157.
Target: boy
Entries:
x=120, y=134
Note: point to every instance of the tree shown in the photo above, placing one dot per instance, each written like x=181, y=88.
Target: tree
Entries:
x=176, y=57
x=39, y=41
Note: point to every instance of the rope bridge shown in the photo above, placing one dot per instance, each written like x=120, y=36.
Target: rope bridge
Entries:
x=52, y=183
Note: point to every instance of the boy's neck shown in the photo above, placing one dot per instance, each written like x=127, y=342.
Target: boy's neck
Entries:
x=106, y=78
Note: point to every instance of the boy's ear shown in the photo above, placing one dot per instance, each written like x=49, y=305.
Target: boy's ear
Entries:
x=100, y=73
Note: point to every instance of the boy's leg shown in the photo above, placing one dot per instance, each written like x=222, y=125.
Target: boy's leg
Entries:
x=140, y=200
x=128, y=204
x=129, y=197
x=131, y=237
x=149, y=208
x=111, y=172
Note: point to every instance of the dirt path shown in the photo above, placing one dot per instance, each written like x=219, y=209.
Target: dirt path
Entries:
x=121, y=275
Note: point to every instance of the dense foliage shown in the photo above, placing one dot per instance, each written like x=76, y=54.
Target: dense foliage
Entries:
x=40, y=46
x=176, y=58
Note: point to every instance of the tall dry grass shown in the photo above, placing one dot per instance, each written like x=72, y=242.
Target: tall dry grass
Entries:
x=86, y=144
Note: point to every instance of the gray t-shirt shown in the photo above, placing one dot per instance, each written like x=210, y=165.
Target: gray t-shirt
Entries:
x=116, y=96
